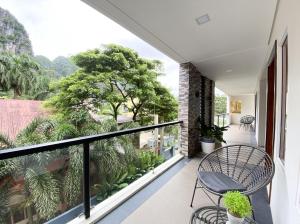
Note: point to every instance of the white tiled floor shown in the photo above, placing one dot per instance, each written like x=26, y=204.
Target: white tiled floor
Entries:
x=171, y=204
x=237, y=135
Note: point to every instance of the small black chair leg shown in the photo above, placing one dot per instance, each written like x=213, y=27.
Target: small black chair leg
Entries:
x=194, y=193
x=218, y=209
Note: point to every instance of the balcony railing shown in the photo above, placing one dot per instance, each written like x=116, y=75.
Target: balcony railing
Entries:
x=158, y=141
x=222, y=120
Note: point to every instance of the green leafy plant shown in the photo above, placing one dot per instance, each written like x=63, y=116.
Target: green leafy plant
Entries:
x=146, y=161
x=212, y=133
x=218, y=133
x=237, y=204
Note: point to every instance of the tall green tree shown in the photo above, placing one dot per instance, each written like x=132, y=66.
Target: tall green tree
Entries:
x=220, y=104
x=113, y=66
x=5, y=65
x=114, y=75
x=164, y=105
x=77, y=92
x=21, y=74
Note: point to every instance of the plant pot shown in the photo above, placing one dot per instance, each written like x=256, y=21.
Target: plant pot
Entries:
x=233, y=219
x=207, y=146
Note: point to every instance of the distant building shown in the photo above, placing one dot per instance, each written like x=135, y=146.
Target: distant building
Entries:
x=15, y=115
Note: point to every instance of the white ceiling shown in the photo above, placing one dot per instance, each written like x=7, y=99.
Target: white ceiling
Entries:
x=235, y=38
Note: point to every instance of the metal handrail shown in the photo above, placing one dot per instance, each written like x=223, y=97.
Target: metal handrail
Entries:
x=223, y=117
x=86, y=140
x=51, y=146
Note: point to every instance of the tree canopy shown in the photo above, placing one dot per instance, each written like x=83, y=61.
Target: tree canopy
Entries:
x=117, y=76
x=220, y=104
x=21, y=74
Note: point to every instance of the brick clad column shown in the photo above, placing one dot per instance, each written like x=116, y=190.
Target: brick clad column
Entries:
x=196, y=98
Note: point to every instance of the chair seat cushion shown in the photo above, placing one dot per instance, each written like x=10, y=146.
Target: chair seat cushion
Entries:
x=219, y=182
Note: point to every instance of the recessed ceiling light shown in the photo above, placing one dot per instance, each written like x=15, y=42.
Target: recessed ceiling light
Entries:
x=202, y=19
x=228, y=71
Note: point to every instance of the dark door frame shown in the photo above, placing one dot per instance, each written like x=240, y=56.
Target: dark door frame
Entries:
x=271, y=102
x=271, y=105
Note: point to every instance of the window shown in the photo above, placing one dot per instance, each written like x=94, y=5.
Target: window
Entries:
x=284, y=98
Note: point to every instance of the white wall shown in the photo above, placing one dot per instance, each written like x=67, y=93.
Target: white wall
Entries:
x=261, y=112
x=248, y=107
x=285, y=201
x=228, y=109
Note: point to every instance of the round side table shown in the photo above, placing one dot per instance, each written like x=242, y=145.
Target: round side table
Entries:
x=208, y=215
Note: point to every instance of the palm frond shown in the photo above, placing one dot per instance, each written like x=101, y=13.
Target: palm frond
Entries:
x=32, y=127
x=44, y=190
x=4, y=211
x=8, y=166
x=72, y=183
x=65, y=131
x=5, y=142
x=106, y=157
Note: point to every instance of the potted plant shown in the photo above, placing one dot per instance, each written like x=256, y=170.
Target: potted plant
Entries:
x=218, y=135
x=207, y=139
x=238, y=207
x=210, y=136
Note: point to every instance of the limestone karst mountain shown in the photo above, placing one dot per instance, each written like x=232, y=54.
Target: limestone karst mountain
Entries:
x=13, y=36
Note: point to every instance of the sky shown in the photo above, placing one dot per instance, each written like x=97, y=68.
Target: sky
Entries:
x=67, y=27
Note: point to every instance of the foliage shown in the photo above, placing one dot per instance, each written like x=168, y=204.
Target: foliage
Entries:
x=21, y=74
x=28, y=77
x=63, y=66
x=59, y=67
x=165, y=106
x=220, y=104
x=117, y=76
x=44, y=62
x=79, y=91
x=146, y=161
x=237, y=204
x=3, y=203
x=72, y=180
x=122, y=76
x=44, y=191
x=47, y=66
x=7, y=168
x=41, y=188
x=114, y=76
x=213, y=133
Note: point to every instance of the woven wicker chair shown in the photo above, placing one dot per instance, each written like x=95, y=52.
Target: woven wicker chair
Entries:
x=246, y=121
x=234, y=167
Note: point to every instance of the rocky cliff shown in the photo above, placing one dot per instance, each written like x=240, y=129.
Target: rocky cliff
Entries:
x=13, y=36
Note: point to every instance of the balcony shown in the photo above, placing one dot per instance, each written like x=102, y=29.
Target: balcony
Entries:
x=162, y=195
x=79, y=169
x=167, y=199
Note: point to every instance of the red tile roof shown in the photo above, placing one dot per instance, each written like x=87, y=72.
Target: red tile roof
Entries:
x=15, y=115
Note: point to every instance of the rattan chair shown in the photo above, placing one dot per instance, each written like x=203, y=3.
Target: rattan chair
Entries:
x=246, y=122
x=234, y=167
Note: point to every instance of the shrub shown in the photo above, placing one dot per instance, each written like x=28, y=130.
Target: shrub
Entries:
x=237, y=204
x=146, y=161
